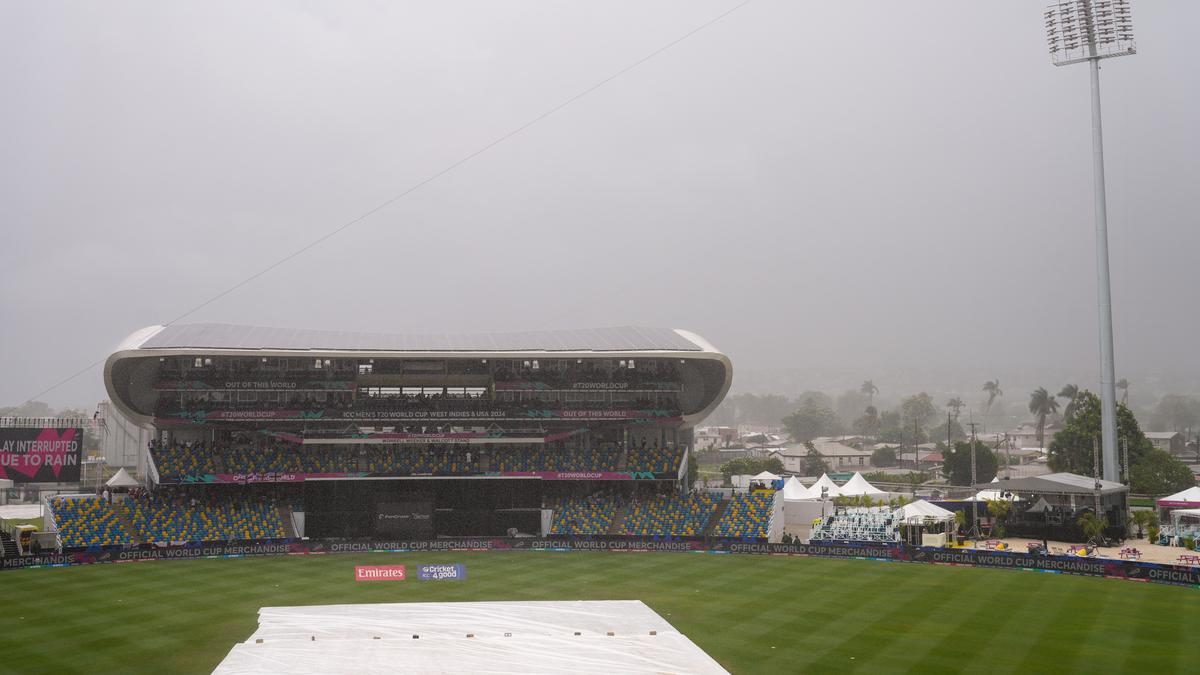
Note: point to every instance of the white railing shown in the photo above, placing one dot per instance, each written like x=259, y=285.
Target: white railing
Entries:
x=151, y=469
x=49, y=522
x=776, y=522
x=858, y=524
x=50, y=422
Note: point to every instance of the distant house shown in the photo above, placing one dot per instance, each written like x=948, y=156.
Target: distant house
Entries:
x=715, y=437
x=839, y=456
x=762, y=440
x=924, y=457
x=1171, y=441
x=1026, y=435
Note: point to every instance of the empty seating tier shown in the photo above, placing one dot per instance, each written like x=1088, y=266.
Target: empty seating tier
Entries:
x=88, y=522
x=158, y=519
x=584, y=515
x=655, y=459
x=670, y=514
x=747, y=516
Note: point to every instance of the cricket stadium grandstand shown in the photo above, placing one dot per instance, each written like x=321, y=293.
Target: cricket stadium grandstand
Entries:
x=280, y=434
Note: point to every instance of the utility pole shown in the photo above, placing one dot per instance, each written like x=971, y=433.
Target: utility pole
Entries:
x=974, y=531
x=1185, y=442
x=916, y=444
x=1007, y=456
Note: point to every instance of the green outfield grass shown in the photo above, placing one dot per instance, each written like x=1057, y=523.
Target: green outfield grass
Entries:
x=751, y=613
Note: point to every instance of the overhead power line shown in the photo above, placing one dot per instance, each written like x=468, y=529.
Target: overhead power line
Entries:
x=420, y=184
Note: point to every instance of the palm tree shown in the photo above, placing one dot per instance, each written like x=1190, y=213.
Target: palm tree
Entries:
x=1123, y=385
x=1091, y=525
x=999, y=509
x=956, y=404
x=992, y=387
x=1071, y=393
x=869, y=389
x=1042, y=404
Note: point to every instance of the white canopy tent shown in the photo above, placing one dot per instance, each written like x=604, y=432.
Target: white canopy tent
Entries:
x=918, y=513
x=858, y=486
x=927, y=524
x=802, y=505
x=766, y=475
x=1184, y=523
x=1181, y=514
x=794, y=490
x=814, y=490
x=1189, y=498
x=122, y=479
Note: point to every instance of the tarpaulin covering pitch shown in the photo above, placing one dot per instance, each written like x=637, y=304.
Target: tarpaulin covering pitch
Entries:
x=505, y=637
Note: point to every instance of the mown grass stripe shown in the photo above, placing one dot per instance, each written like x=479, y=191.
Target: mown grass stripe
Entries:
x=753, y=614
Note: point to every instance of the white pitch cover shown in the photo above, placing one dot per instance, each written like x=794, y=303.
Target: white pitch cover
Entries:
x=506, y=637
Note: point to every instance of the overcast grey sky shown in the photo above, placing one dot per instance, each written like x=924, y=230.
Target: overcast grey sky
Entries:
x=855, y=185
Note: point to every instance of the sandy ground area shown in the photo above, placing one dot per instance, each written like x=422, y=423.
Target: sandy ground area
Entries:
x=1150, y=552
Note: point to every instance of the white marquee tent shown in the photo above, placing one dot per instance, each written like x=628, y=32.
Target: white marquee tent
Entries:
x=927, y=524
x=1189, y=498
x=814, y=491
x=858, y=486
x=1180, y=514
x=919, y=511
x=794, y=490
x=122, y=479
x=766, y=475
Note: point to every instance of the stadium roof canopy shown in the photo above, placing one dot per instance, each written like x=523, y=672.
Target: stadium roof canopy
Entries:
x=131, y=371
x=227, y=336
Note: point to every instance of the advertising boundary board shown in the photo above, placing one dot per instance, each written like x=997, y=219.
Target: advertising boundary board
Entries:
x=299, y=477
x=1093, y=567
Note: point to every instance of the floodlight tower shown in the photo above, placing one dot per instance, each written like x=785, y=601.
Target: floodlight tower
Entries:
x=1090, y=30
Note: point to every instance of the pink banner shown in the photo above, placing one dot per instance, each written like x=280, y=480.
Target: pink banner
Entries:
x=579, y=475
x=269, y=477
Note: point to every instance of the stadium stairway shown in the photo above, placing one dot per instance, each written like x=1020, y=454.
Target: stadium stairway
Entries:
x=123, y=517
x=285, y=516
x=718, y=513
x=8, y=547
x=618, y=522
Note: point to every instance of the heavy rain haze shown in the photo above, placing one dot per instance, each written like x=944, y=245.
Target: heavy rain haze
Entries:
x=829, y=192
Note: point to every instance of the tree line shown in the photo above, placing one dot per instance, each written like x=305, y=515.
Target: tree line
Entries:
x=918, y=419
